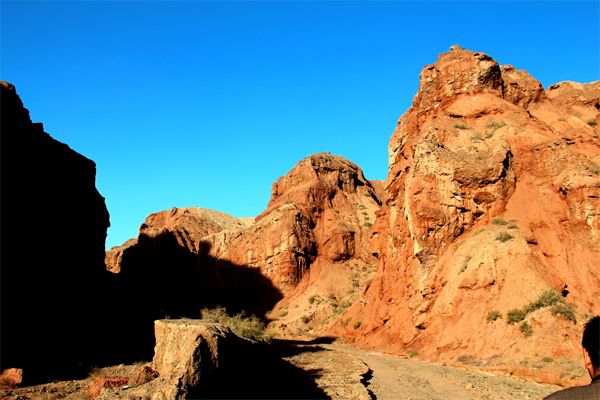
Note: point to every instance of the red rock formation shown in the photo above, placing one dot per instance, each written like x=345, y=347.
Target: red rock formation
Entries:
x=319, y=210
x=170, y=260
x=102, y=382
x=187, y=225
x=11, y=377
x=53, y=231
x=280, y=245
x=492, y=197
x=318, y=218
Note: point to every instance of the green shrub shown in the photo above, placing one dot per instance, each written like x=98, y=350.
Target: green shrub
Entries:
x=546, y=299
x=504, y=237
x=460, y=125
x=567, y=311
x=587, y=316
x=305, y=319
x=368, y=225
x=499, y=221
x=525, y=328
x=412, y=353
x=465, y=264
x=313, y=299
x=249, y=327
x=493, y=315
x=283, y=313
x=476, y=137
x=592, y=122
x=547, y=359
x=495, y=124
x=515, y=315
x=356, y=325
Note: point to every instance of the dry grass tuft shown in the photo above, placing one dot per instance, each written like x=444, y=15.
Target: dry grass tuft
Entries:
x=248, y=327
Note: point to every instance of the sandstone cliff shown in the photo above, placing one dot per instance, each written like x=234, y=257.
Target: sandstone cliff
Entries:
x=315, y=230
x=54, y=225
x=311, y=241
x=187, y=225
x=492, y=198
x=166, y=273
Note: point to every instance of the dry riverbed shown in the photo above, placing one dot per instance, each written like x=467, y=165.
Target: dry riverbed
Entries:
x=344, y=372
x=339, y=372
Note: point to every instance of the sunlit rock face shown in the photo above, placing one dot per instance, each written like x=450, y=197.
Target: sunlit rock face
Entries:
x=492, y=197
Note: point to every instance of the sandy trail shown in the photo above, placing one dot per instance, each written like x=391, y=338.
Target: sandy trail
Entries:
x=344, y=372
x=328, y=371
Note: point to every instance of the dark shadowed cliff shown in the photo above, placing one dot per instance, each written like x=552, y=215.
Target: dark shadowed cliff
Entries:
x=54, y=225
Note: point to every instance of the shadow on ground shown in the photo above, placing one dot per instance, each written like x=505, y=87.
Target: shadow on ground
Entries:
x=162, y=279
x=261, y=373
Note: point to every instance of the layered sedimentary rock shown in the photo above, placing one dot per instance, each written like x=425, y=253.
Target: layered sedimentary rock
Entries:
x=54, y=225
x=311, y=242
x=165, y=260
x=187, y=225
x=186, y=355
x=492, y=197
x=320, y=209
x=318, y=219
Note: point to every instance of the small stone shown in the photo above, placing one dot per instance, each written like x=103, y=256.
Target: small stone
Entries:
x=11, y=376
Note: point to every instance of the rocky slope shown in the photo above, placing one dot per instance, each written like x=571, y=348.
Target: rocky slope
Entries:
x=492, y=198
x=159, y=275
x=313, y=231
x=54, y=225
x=188, y=225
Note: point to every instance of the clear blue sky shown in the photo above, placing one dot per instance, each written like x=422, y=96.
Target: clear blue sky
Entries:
x=207, y=103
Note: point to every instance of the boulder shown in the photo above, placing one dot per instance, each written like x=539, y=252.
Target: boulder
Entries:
x=185, y=355
x=11, y=377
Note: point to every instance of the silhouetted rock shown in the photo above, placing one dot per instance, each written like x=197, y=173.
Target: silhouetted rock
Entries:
x=54, y=225
x=167, y=273
x=201, y=360
x=188, y=226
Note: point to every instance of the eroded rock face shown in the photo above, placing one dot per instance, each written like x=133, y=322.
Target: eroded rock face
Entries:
x=188, y=225
x=319, y=210
x=491, y=198
x=54, y=225
x=336, y=196
x=520, y=88
x=186, y=354
x=169, y=260
x=459, y=72
x=200, y=360
x=320, y=214
x=281, y=246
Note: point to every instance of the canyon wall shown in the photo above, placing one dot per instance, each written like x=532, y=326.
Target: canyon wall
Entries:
x=492, y=198
x=54, y=225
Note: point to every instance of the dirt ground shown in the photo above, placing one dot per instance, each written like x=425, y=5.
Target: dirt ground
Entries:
x=400, y=378
x=339, y=372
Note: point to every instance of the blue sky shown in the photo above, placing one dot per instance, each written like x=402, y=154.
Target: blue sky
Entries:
x=206, y=104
